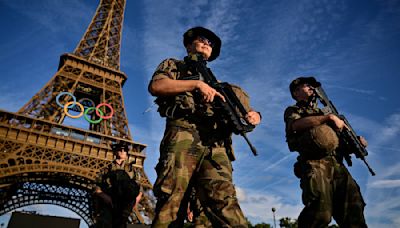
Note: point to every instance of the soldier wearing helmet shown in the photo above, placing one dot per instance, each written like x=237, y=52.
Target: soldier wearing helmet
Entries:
x=193, y=151
x=328, y=188
x=117, y=190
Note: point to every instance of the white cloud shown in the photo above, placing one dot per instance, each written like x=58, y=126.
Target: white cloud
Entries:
x=241, y=195
x=389, y=132
x=276, y=163
x=352, y=89
x=257, y=206
x=384, y=184
x=381, y=193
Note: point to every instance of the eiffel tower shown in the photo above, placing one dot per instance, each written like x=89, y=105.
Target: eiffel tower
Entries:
x=45, y=161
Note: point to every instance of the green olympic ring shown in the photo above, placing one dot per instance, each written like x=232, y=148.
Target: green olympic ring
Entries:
x=92, y=121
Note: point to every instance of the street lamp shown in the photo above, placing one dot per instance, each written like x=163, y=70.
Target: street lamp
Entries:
x=273, y=213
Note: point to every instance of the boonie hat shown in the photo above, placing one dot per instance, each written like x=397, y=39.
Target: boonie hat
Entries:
x=195, y=32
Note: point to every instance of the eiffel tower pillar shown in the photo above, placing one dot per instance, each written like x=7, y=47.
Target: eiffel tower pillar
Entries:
x=44, y=160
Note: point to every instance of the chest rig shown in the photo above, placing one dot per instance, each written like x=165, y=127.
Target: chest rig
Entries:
x=187, y=104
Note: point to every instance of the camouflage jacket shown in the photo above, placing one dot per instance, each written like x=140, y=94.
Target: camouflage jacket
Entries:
x=312, y=143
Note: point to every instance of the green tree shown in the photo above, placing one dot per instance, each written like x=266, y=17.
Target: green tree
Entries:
x=249, y=223
x=288, y=222
x=262, y=225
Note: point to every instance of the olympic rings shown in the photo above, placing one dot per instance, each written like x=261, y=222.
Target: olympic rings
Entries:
x=66, y=109
x=82, y=104
x=65, y=93
x=101, y=116
x=93, y=121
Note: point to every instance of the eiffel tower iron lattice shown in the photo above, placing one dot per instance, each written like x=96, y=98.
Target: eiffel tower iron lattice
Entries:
x=45, y=161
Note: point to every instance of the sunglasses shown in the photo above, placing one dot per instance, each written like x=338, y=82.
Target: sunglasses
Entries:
x=204, y=40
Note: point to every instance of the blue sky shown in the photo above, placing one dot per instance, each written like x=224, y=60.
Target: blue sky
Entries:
x=350, y=46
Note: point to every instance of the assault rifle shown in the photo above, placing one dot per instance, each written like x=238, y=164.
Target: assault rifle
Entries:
x=232, y=109
x=347, y=136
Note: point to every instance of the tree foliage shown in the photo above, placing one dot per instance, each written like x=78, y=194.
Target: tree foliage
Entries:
x=287, y=222
x=258, y=225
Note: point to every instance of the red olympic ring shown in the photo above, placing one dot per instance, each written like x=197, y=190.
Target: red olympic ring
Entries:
x=99, y=114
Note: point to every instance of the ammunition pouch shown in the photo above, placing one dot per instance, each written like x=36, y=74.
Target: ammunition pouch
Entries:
x=301, y=167
x=292, y=143
x=297, y=169
x=175, y=107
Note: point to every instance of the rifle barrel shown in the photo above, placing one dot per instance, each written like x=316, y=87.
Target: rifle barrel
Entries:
x=253, y=149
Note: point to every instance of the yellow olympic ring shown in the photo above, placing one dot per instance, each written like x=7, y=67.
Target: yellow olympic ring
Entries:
x=79, y=105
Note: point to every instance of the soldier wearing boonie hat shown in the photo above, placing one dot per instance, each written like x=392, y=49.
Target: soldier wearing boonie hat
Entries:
x=328, y=188
x=193, y=151
x=206, y=35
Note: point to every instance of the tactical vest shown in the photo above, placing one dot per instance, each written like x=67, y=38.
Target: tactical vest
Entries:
x=120, y=185
x=188, y=103
x=174, y=107
x=316, y=142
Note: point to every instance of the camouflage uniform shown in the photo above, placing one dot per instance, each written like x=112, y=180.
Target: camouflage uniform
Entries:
x=193, y=152
x=117, y=216
x=328, y=188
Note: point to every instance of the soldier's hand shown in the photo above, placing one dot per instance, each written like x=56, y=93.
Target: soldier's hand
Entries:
x=339, y=123
x=253, y=117
x=208, y=92
x=363, y=141
x=190, y=216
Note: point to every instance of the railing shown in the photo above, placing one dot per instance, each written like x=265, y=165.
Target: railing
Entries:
x=30, y=126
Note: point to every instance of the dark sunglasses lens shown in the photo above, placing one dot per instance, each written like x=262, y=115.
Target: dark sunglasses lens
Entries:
x=207, y=41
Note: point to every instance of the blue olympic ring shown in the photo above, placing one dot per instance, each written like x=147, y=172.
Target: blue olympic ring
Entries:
x=65, y=93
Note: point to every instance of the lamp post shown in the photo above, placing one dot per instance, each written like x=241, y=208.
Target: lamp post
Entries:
x=273, y=213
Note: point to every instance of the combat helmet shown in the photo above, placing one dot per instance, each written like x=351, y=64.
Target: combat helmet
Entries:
x=303, y=80
x=195, y=32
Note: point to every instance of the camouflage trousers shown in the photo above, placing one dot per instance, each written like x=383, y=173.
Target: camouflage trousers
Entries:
x=330, y=191
x=185, y=162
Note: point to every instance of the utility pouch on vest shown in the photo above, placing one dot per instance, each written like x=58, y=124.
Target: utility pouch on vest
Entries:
x=229, y=149
x=174, y=107
x=292, y=142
